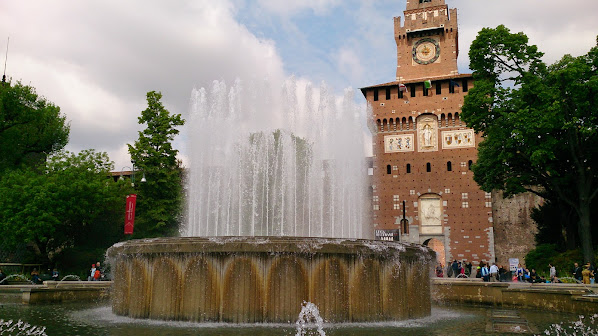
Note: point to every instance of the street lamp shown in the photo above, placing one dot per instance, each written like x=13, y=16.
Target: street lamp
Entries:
x=143, y=180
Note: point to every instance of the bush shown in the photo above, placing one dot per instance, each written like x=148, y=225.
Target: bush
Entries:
x=545, y=254
x=77, y=261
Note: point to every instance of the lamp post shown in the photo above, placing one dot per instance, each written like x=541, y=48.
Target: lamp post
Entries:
x=143, y=180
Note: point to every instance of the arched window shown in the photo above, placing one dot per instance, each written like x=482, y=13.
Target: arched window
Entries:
x=408, y=169
x=428, y=167
x=449, y=166
x=457, y=120
x=388, y=169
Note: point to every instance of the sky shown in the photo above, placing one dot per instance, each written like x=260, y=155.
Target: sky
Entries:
x=98, y=59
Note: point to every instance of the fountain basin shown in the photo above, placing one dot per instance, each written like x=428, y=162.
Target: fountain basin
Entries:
x=266, y=279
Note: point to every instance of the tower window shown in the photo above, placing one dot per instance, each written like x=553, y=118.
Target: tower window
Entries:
x=469, y=164
x=451, y=86
x=387, y=93
x=388, y=169
x=412, y=88
x=438, y=88
x=449, y=166
x=464, y=85
x=425, y=91
x=400, y=94
x=375, y=94
x=428, y=167
x=408, y=169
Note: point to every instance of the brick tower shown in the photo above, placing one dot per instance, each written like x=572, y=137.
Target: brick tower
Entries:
x=423, y=189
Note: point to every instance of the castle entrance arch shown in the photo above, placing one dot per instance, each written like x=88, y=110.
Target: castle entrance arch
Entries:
x=438, y=247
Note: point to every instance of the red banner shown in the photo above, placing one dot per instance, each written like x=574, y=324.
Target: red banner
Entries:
x=130, y=214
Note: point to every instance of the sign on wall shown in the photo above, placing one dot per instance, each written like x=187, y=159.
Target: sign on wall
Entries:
x=388, y=235
x=513, y=263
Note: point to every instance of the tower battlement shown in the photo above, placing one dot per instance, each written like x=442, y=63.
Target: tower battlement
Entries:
x=427, y=40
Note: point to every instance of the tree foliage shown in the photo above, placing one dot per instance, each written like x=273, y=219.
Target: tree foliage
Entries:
x=539, y=122
x=31, y=128
x=159, y=200
x=71, y=202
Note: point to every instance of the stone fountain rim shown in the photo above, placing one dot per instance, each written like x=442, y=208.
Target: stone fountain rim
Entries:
x=258, y=244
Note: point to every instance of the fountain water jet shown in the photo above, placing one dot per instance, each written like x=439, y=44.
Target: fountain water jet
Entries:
x=266, y=172
x=293, y=173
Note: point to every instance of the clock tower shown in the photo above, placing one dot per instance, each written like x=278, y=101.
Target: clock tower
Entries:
x=422, y=184
x=427, y=42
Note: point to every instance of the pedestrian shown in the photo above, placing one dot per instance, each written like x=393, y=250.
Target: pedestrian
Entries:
x=485, y=273
x=468, y=267
x=519, y=273
x=35, y=277
x=455, y=268
x=586, y=273
x=577, y=272
x=92, y=272
x=2, y=277
x=502, y=274
x=552, y=272
x=99, y=272
x=439, y=272
x=55, y=275
x=494, y=273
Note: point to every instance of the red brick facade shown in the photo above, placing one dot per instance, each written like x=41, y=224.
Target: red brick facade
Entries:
x=422, y=150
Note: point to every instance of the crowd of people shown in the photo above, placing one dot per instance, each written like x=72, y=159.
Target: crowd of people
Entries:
x=498, y=273
x=96, y=273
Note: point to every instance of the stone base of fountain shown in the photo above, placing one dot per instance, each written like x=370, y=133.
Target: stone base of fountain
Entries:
x=267, y=279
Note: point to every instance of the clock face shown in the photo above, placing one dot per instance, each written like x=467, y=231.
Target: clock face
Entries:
x=425, y=51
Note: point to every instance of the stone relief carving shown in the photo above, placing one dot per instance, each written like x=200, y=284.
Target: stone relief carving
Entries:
x=458, y=139
x=427, y=133
x=430, y=215
x=398, y=143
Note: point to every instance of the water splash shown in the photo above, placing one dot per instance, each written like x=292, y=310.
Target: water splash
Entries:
x=71, y=277
x=268, y=162
x=585, y=326
x=20, y=328
x=20, y=277
x=309, y=319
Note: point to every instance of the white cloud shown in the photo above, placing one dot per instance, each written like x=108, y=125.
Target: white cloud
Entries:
x=555, y=28
x=350, y=64
x=97, y=60
x=292, y=7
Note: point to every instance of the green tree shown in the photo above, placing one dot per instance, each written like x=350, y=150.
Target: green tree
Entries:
x=31, y=128
x=159, y=201
x=539, y=123
x=71, y=202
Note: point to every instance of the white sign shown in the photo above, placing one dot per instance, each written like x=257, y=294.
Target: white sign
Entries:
x=513, y=263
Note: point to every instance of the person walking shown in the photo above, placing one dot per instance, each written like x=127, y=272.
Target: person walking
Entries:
x=586, y=273
x=552, y=272
x=577, y=272
x=92, y=272
x=494, y=273
x=485, y=273
x=455, y=268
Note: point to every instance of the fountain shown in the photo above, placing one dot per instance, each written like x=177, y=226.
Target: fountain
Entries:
x=277, y=216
